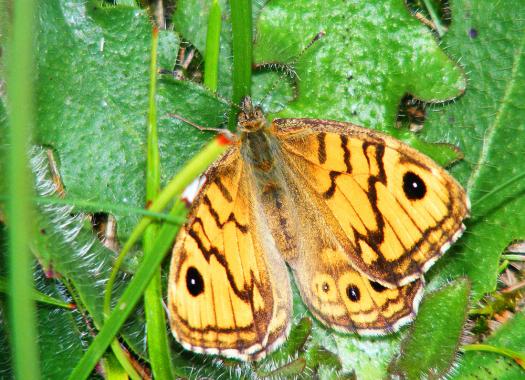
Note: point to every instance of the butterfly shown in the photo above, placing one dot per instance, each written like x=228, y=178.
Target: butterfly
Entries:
x=356, y=215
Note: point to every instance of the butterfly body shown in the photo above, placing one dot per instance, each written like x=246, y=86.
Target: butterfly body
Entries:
x=357, y=216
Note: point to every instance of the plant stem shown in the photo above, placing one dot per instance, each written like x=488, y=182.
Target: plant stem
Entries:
x=213, y=35
x=20, y=71
x=511, y=257
x=120, y=362
x=241, y=16
x=516, y=356
x=503, y=266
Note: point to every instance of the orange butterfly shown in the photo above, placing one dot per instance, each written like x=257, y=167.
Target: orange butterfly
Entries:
x=358, y=217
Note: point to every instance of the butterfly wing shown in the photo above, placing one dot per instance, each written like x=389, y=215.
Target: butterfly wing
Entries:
x=335, y=292
x=346, y=300
x=229, y=290
x=393, y=209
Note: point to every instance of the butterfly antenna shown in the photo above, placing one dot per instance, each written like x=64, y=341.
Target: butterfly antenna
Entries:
x=228, y=102
x=222, y=131
x=288, y=68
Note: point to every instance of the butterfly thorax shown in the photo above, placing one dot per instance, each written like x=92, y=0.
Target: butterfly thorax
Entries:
x=257, y=150
x=256, y=144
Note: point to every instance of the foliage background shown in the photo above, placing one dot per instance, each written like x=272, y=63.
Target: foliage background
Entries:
x=91, y=79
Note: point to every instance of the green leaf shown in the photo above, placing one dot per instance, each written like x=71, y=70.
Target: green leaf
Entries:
x=167, y=50
x=487, y=123
x=369, y=58
x=62, y=335
x=372, y=54
x=93, y=100
x=318, y=356
x=487, y=365
x=430, y=348
x=292, y=369
x=65, y=246
x=92, y=97
x=367, y=357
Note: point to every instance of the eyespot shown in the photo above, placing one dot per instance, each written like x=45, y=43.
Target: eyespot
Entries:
x=377, y=286
x=194, y=282
x=326, y=287
x=353, y=293
x=413, y=186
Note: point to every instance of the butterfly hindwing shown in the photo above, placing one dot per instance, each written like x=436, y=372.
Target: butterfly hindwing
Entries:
x=229, y=289
x=346, y=300
x=394, y=210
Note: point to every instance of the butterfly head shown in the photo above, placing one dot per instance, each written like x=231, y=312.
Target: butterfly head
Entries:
x=251, y=118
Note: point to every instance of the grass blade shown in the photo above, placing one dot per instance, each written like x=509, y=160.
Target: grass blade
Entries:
x=158, y=346
x=87, y=205
x=20, y=95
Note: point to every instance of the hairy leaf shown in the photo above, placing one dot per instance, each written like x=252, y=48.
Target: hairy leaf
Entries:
x=430, y=348
x=489, y=365
x=92, y=101
x=487, y=123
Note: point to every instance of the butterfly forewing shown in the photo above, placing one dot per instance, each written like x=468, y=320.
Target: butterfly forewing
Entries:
x=393, y=209
x=229, y=288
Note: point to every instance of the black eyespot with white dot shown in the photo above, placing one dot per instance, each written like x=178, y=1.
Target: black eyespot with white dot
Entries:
x=326, y=287
x=413, y=186
x=353, y=293
x=377, y=286
x=194, y=282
